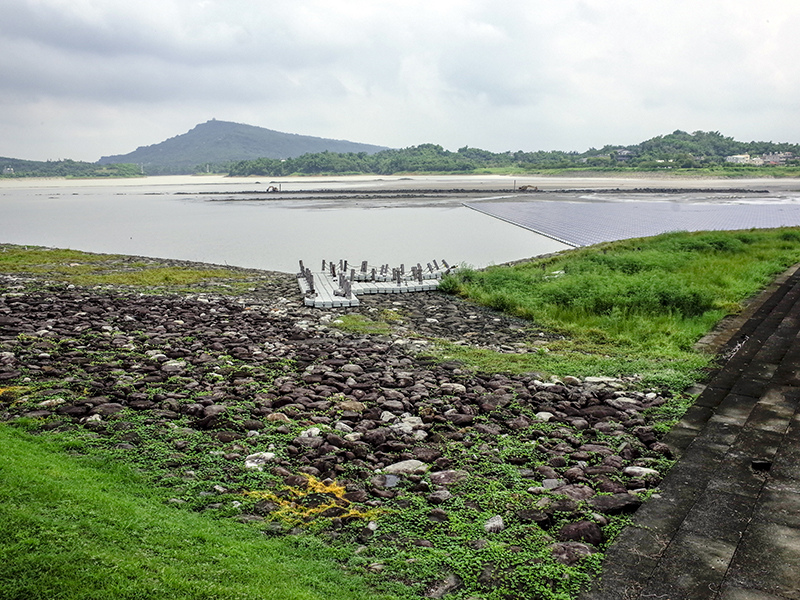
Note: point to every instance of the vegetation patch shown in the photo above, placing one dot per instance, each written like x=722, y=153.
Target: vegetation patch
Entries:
x=88, y=269
x=355, y=323
x=634, y=307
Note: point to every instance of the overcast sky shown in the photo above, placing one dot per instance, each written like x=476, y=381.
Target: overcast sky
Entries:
x=85, y=78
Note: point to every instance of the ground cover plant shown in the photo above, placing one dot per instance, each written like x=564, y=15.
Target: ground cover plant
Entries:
x=290, y=421
x=143, y=274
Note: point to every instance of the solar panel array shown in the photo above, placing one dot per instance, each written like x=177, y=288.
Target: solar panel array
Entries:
x=587, y=223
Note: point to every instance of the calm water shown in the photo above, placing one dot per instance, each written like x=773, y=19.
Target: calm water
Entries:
x=178, y=218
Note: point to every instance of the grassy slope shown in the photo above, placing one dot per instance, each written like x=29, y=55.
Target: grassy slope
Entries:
x=630, y=307
x=77, y=528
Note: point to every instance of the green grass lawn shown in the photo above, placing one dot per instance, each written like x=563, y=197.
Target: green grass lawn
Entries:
x=78, y=528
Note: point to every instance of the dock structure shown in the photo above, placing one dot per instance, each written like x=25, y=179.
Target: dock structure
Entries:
x=338, y=283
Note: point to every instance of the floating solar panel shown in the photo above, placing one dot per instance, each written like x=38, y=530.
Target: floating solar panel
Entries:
x=587, y=223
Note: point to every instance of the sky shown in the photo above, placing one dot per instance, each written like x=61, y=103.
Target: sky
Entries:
x=81, y=79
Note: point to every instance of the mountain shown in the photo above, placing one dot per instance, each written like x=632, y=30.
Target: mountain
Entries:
x=222, y=142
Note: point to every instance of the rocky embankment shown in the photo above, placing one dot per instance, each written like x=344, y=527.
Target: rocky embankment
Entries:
x=273, y=394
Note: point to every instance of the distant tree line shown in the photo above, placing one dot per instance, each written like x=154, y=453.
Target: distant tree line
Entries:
x=15, y=167
x=679, y=150
x=423, y=158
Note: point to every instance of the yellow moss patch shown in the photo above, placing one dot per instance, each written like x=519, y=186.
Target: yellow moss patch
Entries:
x=9, y=394
x=318, y=499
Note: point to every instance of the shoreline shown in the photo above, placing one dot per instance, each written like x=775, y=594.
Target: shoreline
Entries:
x=409, y=181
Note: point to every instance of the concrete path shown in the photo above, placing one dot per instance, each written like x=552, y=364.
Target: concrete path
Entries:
x=726, y=525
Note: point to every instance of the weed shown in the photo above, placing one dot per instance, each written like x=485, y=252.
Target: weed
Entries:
x=631, y=307
x=360, y=324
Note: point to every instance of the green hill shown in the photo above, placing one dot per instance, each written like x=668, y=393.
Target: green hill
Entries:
x=219, y=143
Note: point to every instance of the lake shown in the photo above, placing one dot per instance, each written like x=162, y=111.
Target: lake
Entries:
x=235, y=221
x=195, y=219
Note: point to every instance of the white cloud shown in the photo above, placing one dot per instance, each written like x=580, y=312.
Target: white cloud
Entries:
x=83, y=78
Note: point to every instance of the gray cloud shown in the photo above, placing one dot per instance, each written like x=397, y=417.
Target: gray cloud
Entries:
x=82, y=79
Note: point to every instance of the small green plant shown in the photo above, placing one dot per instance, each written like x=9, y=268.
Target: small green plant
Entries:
x=355, y=323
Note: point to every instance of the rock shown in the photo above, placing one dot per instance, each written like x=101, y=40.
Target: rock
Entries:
x=518, y=423
x=494, y=525
x=569, y=553
x=51, y=403
x=107, y=409
x=574, y=474
x=452, y=389
x=258, y=460
x=582, y=531
x=448, y=477
x=662, y=449
x=393, y=406
x=439, y=497
x=437, y=515
x=278, y=417
x=213, y=410
x=460, y=420
x=601, y=380
x=426, y=455
x=640, y=472
x=575, y=491
x=452, y=583
x=385, y=480
x=352, y=405
x=375, y=437
x=407, y=466
x=570, y=380
x=311, y=442
x=356, y=496
x=600, y=411
x=173, y=366
x=533, y=516
x=407, y=424
x=615, y=504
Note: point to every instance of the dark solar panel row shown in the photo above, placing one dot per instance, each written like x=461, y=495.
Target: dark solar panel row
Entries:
x=587, y=223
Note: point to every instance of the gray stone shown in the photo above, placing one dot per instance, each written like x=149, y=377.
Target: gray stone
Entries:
x=407, y=466
x=257, y=461
x=448, y=477
x=494, y=525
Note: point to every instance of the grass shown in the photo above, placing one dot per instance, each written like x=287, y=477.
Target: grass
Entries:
x=87, y=269
x=81, y=528
x=634, y=307
x=355, y=323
